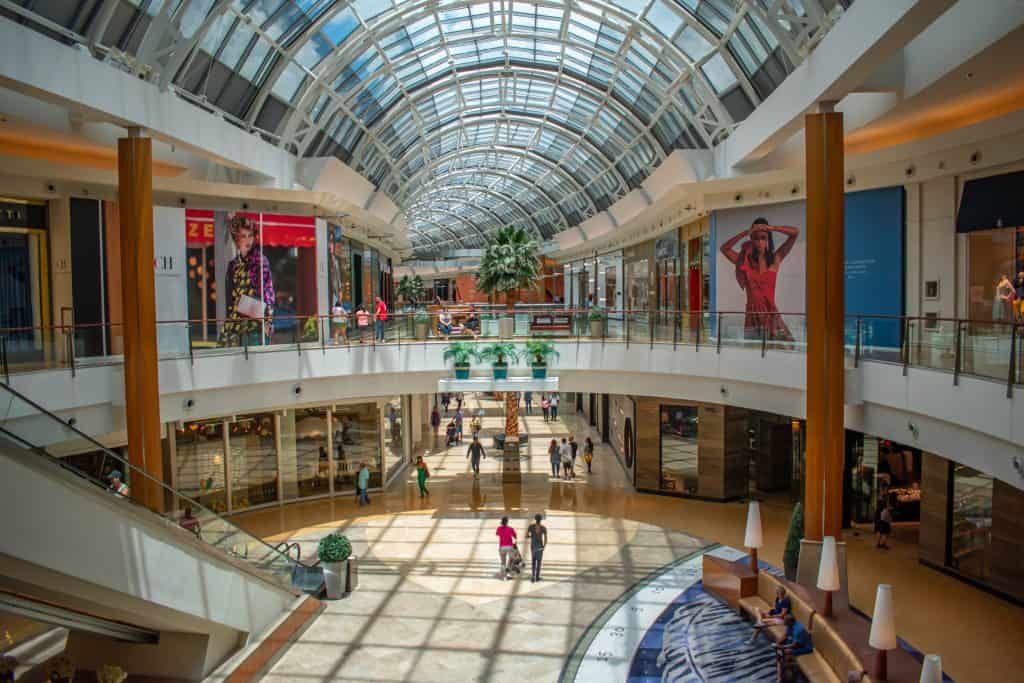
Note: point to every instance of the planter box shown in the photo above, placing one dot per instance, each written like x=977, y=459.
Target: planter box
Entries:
x=500, y=371
x=540, y=371
x=462, y=371
x=422, y=329
x=507, y=327
x=597, y=328
x=335, y=579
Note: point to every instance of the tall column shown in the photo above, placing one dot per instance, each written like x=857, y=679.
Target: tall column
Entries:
x=823, y=473
x=138, y=296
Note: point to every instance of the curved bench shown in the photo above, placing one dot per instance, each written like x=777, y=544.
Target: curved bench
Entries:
x=832, y=659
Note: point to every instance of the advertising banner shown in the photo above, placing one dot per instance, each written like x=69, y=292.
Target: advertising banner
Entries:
x=760, y=268
x=251, y=278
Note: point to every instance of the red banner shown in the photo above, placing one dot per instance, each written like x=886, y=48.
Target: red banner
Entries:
x=279, y=230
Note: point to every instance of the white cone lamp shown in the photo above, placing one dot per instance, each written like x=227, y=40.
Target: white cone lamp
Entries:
x=883, y=630
x=931, y=670
x=754, y=537
x=828, y=572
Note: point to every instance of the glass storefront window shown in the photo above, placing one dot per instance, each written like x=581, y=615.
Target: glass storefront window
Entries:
x=993, y=255
x=679, y=429
x=199, y=463
x=355, y=440
x=253, y=461
x=304, y=456
x=391, y=427
x=971, y=547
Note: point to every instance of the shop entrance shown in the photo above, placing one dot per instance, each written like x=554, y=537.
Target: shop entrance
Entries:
x=881, y=473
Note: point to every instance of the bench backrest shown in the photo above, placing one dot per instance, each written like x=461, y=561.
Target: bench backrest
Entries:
x=840, y=658
x=766, y=587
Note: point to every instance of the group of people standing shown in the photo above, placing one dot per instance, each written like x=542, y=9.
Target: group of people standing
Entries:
x=508, y=550
x=563, y=456
x=340, y=317
x=548, y=405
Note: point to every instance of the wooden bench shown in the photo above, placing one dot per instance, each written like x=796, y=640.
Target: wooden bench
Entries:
x=832, y=659
x=550, y=322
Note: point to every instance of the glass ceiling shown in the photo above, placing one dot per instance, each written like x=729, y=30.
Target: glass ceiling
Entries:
x=470, y=115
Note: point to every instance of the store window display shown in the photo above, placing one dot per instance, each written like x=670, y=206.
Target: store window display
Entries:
x=251, y=440
x=305, y=465
x=391, y=429
x=971, y=547
x=679, y=449
x=199, y=463
x=355, y=439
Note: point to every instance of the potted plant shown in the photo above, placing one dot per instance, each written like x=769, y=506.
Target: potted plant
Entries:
x=422, y=322
x=509, y=264
x=311, y=329
x=460, y=353
x=540, y=351
x=596, y=317
x=791, y=553
x=62, y=670
x=499, y=353
x=334, y=551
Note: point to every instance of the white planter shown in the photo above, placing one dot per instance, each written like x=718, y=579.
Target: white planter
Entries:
x=335, y=579
x=597, y=328
x=507, y=327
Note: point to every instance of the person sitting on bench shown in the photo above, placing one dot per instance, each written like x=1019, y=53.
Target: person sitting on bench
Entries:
x=773, y=617
x=797, y=642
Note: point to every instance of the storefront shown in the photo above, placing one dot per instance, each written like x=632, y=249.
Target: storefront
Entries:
x=775, y=455
x=989, y=217
x=879, y=472
x=622, y=432
x=25, y=280
x=245, y=461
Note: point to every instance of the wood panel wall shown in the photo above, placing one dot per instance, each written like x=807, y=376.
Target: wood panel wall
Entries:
x=934, y=535
x=1008, y=539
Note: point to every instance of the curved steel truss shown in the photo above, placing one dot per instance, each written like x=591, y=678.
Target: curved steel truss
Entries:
x=470, y=114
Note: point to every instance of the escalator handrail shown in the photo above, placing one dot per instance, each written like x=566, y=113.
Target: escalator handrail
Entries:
x=128, y=466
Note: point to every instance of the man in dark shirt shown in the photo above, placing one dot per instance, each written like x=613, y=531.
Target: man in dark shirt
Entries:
x=475, y=453
x=538, y=535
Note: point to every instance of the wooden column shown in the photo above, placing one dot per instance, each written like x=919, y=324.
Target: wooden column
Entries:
x=138, y=296
x=823, y=474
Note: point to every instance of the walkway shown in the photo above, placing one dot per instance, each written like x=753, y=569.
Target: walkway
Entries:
x=430, y=606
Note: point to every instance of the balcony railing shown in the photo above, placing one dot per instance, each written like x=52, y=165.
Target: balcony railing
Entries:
x=992, y=350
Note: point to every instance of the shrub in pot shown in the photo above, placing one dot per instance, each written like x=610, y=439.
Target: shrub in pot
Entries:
x=334, y=551
x=460, y=353
x=596, y=317
x=500, y=353
x=539, y=352
x=421, y=321
x=791, y=552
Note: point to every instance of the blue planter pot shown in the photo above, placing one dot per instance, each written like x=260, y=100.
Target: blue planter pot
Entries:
x=500, y=371
x=540, y=371
x=462, y=372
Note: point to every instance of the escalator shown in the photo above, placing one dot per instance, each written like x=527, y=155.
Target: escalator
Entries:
x=70, y=543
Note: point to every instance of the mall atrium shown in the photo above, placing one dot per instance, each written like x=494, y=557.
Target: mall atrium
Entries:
x=582, y=341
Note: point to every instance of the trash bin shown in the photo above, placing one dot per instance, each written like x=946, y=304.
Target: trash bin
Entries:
x=353, y=574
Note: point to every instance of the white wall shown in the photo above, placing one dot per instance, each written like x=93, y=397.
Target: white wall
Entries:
x=171, y=283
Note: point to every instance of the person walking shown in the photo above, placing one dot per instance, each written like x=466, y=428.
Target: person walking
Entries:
x=458, y=423
x=435, y=420
x=506, y=542
x=554, y=407
x=528, y=400
x=883, y=525
x=545, y=407
x=574, y=447
x=362, y=484
x=554, y=455
x=565, y=451
x=475, y=453
x=380, y=316
x=538, y=535
x=446, y=400
x=362, y=322
x=588, y=454
x=339, y=323
x=422, y=474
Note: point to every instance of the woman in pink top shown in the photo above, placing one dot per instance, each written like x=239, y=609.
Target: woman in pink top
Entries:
x=506, y=542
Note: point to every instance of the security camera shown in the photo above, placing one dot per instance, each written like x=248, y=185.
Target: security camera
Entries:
x=51, y=188
x=72, y=421
x=297, y=390
x=182, y=201
x=913, y=429
x=245, y=206
x=723, y=390
x=189, y=403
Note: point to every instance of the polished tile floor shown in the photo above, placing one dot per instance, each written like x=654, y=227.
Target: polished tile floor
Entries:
x=430, y=605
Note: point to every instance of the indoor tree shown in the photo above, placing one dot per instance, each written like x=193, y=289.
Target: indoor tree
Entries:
x=509, y=263
x=410, y=289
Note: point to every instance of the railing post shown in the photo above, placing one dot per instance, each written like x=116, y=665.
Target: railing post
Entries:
x=675, y=330
x=245, y=344
x=718, y=331
x=627, y=328
x=906, y=345
x=325, y=329
x=191, y=353
x=764, y=340
x=652, y=327
x=1012, y=373
x=957, y=352
x=296, y=337
x=71, y=349
x=856, y=345
x=3, y=358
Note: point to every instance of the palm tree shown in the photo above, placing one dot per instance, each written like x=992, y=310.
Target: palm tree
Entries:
x=410, y=289
x=509, y=264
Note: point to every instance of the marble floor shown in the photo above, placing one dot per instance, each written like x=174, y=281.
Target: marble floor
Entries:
x=430, y=605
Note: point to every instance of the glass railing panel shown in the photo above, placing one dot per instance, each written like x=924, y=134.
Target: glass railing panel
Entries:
x=881, y=339
x=26, y=349
x=986, y=349
x=28, y=426
x=638, y=327
x=933, y=343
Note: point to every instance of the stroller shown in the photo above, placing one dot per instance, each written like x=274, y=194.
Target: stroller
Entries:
x=515, y=561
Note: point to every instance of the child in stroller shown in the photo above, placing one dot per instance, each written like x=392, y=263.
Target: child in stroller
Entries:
x=450, y=434
x=515, y=561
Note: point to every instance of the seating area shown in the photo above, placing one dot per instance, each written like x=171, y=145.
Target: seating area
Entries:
x=832, y=658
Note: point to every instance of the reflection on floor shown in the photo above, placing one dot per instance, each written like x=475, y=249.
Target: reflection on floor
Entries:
x=430, y=607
